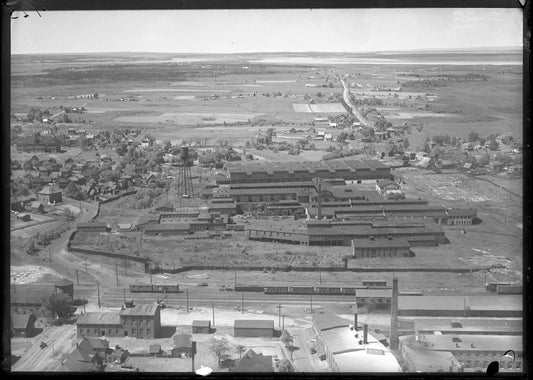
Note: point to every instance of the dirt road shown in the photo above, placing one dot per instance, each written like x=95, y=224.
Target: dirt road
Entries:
x=346, y=97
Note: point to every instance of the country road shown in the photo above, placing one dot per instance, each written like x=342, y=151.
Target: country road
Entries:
x=346, y=97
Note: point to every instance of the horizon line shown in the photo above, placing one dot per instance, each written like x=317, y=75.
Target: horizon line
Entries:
x=471, y=48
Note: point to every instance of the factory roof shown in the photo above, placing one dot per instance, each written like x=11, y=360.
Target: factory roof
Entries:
x=201, y=323
x=254, y=323
x=305, y=166
x=167, y=227
x=374, y=293
x=99, y=319
x=328, y=320
x=499, y=343
x=462, y=212
x=48, y=190
x=146, y=310
x=64, y=282
x=481, y=302
x=374, y=358
x=30, y=294
x=380, y=243
x=465, y=324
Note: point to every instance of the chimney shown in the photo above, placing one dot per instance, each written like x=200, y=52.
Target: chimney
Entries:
x=355, y=321
x=365, y=333
x=394, y=316
x=319, y=214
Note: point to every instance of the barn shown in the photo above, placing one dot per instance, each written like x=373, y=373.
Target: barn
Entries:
x=253, y=328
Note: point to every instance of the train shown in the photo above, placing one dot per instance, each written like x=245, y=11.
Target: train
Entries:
x=152, y=288
x=509, y=289
x=307, y=290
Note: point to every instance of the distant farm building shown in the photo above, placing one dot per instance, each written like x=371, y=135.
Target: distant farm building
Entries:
x=253, y=328
x=40, y=144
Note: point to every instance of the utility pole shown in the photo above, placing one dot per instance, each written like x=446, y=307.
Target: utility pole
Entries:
x=98, y=285
x=77, y=278
x=193, y=352
x=279, y=315
x=187, y=294
x=125, y=269
x=50, y=253
x=151, y=275
x=235, y=286
x=242, y=302
x=116, y=272
x=124, y=295
x=311, y=303
x=85, y=265
x=213, y=305
x=320, y=274
x=283, y=325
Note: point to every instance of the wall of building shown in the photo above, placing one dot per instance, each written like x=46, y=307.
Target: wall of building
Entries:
x=253, y=332
x=96, y=330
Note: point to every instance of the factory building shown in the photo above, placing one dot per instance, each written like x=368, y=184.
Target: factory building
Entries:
x=349, y=348
x=141, y=321
x=365, y=248
x=353, y=170
x=468, y=326
x=460, y=216
x=476, y=352
x=339, y=234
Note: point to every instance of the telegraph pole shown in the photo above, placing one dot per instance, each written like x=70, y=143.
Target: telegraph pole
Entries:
x=124, y=295
x=283, y=325
x=85, y=265
x=242, y=302
x=279, y=315
x=125, y=269
x=77, y=278
x=235, y=280
x=50, y=253
x=311, y=303
x=116, y=272
x=98, y=285
x=213, y=305
x=187, y=294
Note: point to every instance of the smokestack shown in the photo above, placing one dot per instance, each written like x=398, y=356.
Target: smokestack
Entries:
x=355, y=321
x=394, y=316
x=365, y=333
x=319, y=215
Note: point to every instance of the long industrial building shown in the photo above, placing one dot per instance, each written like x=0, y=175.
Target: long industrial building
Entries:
x=341, y=234
x=350, y=170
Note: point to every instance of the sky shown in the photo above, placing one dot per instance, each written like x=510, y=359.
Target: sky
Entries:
x=235, y=31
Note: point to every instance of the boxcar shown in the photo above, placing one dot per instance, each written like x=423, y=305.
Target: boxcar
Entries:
x=327, y=290
x=348, y=291
x=301, y=289
x=166, y=288
x=374, y=284
x=509, y=289
x=493, y=286
x=249, y=288
x=138, y=288
x=276, y=290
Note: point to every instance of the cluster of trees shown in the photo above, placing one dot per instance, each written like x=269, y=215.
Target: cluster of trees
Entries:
x=373, y=101
x=44, y=238
x=382, y=124
x=74, y=191
x=58, y=305
x=35, y=114
x=145, y=197
x=444, y=139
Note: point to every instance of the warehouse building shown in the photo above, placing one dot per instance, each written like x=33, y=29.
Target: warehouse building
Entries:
x=461, y=216
x=468, y=326
x=353, y=170
x=93, y=227
x=328, y=233
x=141, y=321
x=253, y=328
x=475, y=351
x=365, y=248
x=201, y=326
x=350, y=348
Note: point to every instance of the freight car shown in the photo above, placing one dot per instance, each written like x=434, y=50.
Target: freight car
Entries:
x=249, y=288
x=145, y=288
x=375, y=284
x=301, y=289
x=493, y=286
x=410, y=294
x=509, y=289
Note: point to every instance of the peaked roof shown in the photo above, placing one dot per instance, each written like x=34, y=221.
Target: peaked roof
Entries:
x=253, y=362
x=182, y=340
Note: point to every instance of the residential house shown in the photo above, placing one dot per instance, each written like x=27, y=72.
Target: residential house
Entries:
x=50, y=195
x=37, y=207
x=496, y=166
x=201, y=326
x=253, y=362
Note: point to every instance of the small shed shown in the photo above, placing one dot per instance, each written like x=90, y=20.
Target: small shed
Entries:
x=201, y=326
x=253, y=328
x=182, y=345
x=155, y=349
x=24, y=217
x=37, y=207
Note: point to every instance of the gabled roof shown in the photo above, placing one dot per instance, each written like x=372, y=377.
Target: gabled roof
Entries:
x=99, y=319
x=182, y=341
x=252, y=362
x=328, y=321
x=146, y=310
x=201, y=323
x=155, y=348
x=21, y=321
x=48, y=190
x=254, y=323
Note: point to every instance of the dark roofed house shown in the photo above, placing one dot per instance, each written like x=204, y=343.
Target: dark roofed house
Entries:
x=50, y=195
x=253, y=362
x=23, y=325
x=99, y=324
x=182, y=344
x=253, y=328
x=37, y=207
x=155, y=349
x=81, y=360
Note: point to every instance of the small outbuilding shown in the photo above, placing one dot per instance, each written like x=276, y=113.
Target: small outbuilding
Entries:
x=23, y=325
x=253, y=328
x=201, y=326
x=37, y=207
x=182, y=345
